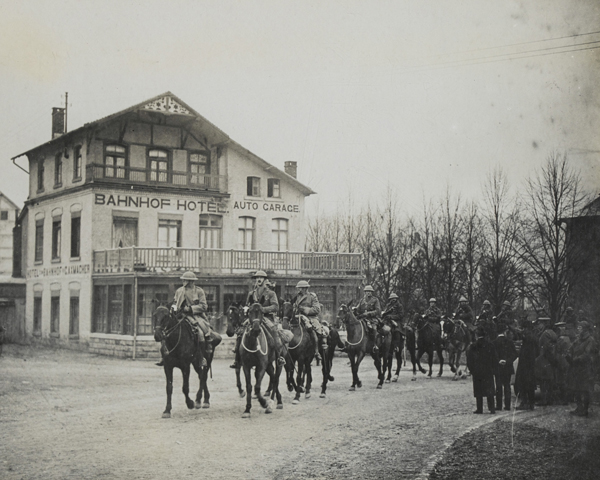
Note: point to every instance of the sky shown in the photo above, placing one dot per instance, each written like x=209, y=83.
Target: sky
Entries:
x=416, y=95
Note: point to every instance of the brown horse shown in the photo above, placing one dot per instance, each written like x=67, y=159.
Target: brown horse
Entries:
x=358, y=344
x=457, y=342
x=235, y=318
x=183, y=350
x=257, y=350
x=396, y=348
x=429, y=339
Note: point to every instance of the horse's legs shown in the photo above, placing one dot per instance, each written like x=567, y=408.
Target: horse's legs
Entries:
x=377, y=362
x=440, y=353
x=326, y=368
x=200, y=391
x=204, y=383
x=275, y=392
x=299, y=389
x=169, y=375
x=238, y=382
x=248, y=376
x=309, y=379
x=258, y=376
x=352, y=358
x=359, y=359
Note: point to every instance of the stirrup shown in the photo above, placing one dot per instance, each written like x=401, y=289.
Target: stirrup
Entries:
x=281, y=361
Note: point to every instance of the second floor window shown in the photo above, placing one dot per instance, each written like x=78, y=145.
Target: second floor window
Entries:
x=77, y=163
x=280, y=234
x=273, y=188
x=169, y=233
x=211, y=231
x=246, y=237
x=199, y=167
x=56, y=227
x=115, y=161
x=158, y=163
x=39, y=241
x=40, y=175
x=253, y=187
x=124, y=232
x=75, y=237
x=58, y=164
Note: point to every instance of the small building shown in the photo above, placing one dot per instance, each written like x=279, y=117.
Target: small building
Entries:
x=8, y=216
x=119, y=208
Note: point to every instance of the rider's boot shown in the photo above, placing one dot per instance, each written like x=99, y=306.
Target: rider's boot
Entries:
x=236, y=361
x=209, y=346
x=163, y=352
x=315, y=339
x=203, y=354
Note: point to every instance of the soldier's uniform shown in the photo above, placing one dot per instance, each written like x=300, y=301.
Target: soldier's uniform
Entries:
x=370, y=309
x=465, y=313
x=581, y=371
x=307, y=304
x=394, y=312
x=486, y=321
x=545, y=363
x=571, y=324
x=267, y=299
x=434, y=315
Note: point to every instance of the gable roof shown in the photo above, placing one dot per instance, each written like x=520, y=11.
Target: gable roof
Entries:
x=179, y=112
x=9, y=200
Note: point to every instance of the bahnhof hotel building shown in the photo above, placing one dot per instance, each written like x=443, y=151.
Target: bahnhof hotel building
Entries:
x=119, y=208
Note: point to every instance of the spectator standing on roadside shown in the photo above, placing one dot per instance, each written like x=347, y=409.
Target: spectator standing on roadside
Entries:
x=482, y=362
x=525, y=376
x=581, y=371
x=563, y=345
x=546, y=363
x=507, y=354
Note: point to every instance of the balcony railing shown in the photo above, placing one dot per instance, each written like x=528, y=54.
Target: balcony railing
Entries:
x=146, y=176
x=218, y=261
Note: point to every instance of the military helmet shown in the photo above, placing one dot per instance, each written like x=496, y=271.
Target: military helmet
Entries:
x=570, y=309
x=259, y=273
x=487, y=302
x=506, y=303
x=302, y=284
x=432, y=300
x=368, y=288
x=393, y=295
x=462, y=299
x=585, y=325
x=188, y=276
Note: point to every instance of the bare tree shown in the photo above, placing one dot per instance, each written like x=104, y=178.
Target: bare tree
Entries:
x=472, y=250
x=451, y=220
x=553, y=260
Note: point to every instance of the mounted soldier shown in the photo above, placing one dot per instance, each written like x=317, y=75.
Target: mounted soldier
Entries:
x=394, y=313
x=434, y=315
x=307, y=305
x=464, y=312
x=370, y=309
x=267, y=299
x=485, y=320
x=190, y=300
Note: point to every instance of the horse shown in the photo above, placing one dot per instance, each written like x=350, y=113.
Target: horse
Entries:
x=396, y=349
x=457, y=341
x=183, y=350
x=257, y=349
x=357, y=345
x=235, y=318
x=429, y=339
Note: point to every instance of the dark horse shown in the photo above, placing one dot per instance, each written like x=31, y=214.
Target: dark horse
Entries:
x=183, y=350
x=396, y=348
x=301, y=351
x=235, y=318
x=358, y=344
x=257, y=349
x=429, y=339
x=457, y=341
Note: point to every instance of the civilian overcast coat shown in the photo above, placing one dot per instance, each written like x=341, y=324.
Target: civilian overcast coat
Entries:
x=482, y=362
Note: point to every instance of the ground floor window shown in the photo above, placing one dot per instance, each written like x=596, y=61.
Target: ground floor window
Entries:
x=74, y=315
x=37, y=314
x=55, y=313
x=113, y=309
x=149, y=298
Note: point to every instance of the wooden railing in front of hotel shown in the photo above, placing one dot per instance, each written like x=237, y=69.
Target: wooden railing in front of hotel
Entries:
x=168, y=178
x=219, y=261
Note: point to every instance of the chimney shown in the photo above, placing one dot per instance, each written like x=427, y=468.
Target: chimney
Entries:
x=291, y=168
x=58, y=122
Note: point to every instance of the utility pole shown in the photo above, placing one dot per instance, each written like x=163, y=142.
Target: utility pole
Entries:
x=66, y=109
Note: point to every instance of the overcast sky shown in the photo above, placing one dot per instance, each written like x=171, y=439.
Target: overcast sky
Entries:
x=417, y=94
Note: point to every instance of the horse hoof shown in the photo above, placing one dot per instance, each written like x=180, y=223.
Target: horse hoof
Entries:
x=290, y=388
x=246, y=415
x=330, y=378
x=428, y=377
x=242, y=394
x=439, y=375
x=359, y=384
x=295, y=402
x=352, y=389
x=301, y=390
x=379, y=387
x=280, y=406
x=268, y=409
x=322, y=395
x=413, y=379
x=395, y=379
x=197, y=405
x=166, y=415
x=206, y=405
x=307, y=395
x=387, y=380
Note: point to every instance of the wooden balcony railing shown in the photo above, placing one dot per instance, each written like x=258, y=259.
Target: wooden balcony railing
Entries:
x=218, y=261
x=169, y=178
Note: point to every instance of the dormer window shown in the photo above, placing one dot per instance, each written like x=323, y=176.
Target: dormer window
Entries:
x=58, y=164
x=77, y=161
x=199, y=167
x=115, y=161
x=40, y=175
x=158, y=163
x=253, y=187
x=273, y=188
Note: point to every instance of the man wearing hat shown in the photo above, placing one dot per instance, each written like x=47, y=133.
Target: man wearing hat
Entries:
x=485, y=320
x=394, y=312
x=370, y=309
x=581, y=372
x=190, y=300
x=563, y=345
x=434, y=315
x=465, y=313
x=525, y=377
x=307, y=304
x=546, y=361
x=507, y=354
x=482, y=362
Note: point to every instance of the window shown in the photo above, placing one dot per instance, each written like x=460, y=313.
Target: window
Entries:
x=115, y=308
x=56, y=227
x=77, y=163
x=149, y=298
x=115, y=161
x=99, y=309
x=74, y=314
x=75, y=236
x=246, y=240
x=40, y=175
x=4, y=215
x=253, y=187
x=58, y=169
x=158, y=163
x=37, y=314
x=199, y=167
x=280, y=234
x=55, y=313
x=211, y=231
x=169, y=233
x=273, y=188
x=39, y=241
x=124, y=232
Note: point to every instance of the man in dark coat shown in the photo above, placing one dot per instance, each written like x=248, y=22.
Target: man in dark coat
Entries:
x=581, y=371
x=482, y=362
x=369, y=308
x=465, y=313
x=563, y=345
x=507, y=354
x=525, y=377
x=546, y=363
x=571, y=324
x=486, y=321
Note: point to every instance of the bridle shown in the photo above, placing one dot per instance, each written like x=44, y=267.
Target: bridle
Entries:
x=347, y=320
x=167, y=332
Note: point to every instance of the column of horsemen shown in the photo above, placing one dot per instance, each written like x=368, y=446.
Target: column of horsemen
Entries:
x=561, y=358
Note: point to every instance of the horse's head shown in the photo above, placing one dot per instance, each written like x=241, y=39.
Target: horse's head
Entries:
x=346, y=313
x=234, y=319
x=255, y=315
x=161, y=319
x=448, y=325
x=287, y=312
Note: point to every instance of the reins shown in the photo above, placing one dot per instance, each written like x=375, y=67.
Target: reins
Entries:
x=362, y=333
x=258, y=349
x=167, y=333
x=301, y=335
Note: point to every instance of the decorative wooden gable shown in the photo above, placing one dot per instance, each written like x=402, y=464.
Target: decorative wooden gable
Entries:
x=168, y=105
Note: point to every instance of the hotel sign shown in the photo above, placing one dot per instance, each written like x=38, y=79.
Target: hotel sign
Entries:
x=159, y=203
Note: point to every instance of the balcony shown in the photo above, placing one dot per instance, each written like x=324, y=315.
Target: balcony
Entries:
x=219, y=262
x=96, y=172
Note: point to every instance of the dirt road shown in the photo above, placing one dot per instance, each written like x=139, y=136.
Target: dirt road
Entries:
x=72, y=415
